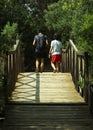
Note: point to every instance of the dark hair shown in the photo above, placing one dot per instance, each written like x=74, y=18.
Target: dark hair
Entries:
x=39, y=31
x=55, y=36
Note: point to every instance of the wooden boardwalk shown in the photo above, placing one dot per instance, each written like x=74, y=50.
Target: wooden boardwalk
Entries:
x=47, y=87
x=46, y=101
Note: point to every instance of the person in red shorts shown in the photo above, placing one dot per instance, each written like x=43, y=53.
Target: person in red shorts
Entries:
x=55, y=52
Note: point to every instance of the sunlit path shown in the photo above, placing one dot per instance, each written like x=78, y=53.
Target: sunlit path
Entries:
x=47, y=87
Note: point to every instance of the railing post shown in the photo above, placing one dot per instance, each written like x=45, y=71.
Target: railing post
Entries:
x=90, y=98
x=5, y=80
x=86, y=77
x=77, y=71
x=76, y=63
x=12, y=67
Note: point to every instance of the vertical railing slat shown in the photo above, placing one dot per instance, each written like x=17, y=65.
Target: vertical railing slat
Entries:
x=76, y=64
x=13, y=67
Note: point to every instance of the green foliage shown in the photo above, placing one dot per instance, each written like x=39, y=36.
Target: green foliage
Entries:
x=88, y=21
x=82, y=44
x=8, y=37
x=65, y=17
x=81, y=80
x=9, y=31
x=57, y=16
x=1, y=70
x=73, y=18
x=70, y=18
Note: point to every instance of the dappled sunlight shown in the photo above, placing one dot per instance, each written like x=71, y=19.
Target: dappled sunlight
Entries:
x=46, y=87
x=26, y=88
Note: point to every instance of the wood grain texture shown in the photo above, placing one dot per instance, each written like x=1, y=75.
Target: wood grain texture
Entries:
x=48, y=117
x=47, y=87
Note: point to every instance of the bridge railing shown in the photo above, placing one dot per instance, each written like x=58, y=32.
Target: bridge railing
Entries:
x=13, y=66
x=76, y=63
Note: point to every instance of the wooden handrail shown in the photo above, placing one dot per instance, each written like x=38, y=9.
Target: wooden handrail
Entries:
x=13, y=66
x=76, y=63
x=73, y=45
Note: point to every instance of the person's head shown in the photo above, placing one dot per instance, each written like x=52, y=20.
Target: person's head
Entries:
x=55, y=37
x=39, y=31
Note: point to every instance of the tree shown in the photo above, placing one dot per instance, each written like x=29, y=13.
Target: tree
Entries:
x=73, y=18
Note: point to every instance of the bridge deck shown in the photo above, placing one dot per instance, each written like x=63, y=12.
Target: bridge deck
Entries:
x=70, y=114
x=47, y=87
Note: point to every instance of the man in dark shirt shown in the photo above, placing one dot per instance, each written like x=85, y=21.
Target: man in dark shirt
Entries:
x=40, y=52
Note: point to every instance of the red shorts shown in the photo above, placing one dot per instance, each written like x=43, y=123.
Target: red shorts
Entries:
x=56, y=58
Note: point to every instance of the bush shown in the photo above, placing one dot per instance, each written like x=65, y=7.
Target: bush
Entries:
x=8, y=37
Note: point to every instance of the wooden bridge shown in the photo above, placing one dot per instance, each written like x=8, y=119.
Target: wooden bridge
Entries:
x=47, y=101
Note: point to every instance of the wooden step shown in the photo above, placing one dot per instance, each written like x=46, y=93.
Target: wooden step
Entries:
x=48, y=117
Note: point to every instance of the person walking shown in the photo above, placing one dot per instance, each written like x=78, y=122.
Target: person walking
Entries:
x=40, y=42
x=55, y=53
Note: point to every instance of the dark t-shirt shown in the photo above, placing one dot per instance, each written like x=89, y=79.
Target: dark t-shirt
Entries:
x=40, y=51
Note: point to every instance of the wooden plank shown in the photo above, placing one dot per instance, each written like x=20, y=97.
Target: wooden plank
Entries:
x=48, y=117
x=45, y=87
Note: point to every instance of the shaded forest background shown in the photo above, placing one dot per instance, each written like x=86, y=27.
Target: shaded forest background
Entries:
x=70, y=18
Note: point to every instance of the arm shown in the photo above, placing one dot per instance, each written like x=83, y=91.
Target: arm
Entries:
x=46, y=42
x=61, y=47
x=50, y=50
x=61, y=50
x=34, y=42
x=49, y=55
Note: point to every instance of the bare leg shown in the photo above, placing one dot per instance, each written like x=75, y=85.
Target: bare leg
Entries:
x=42, y=64
x=53, y=66
x=37, y=64
x=57, y=66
